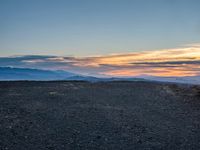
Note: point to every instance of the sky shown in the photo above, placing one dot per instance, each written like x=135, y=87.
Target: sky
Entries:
x=102, y=37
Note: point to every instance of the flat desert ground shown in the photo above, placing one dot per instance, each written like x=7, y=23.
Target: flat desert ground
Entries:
x=63, y=115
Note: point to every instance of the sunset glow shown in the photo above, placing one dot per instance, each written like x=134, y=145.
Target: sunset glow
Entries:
x=170, y=62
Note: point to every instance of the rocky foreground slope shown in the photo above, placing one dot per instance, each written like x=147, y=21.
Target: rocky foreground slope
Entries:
x=111, y=115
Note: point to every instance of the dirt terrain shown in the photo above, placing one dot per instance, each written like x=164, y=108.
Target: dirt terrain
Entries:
x=105, y=116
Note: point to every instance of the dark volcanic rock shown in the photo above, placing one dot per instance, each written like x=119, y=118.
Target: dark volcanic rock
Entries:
x=112, y=115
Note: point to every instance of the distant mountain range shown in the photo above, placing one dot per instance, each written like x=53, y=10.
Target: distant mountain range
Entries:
x=8, y=73
x=12, y=74
x=184, y=79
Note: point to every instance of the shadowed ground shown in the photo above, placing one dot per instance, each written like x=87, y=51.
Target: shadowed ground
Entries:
x=112, y=115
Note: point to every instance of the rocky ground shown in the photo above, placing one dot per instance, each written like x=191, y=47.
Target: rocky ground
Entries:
x=112, y=115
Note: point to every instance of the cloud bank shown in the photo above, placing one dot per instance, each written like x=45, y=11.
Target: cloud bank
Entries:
x=170, y=62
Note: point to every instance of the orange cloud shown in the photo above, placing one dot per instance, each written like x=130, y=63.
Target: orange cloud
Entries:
x=169, y=62
x=174, y=62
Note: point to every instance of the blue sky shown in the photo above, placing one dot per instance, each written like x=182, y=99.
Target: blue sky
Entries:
x=96, y=27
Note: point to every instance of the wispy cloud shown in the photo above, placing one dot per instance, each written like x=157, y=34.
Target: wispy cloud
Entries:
x=170, y=62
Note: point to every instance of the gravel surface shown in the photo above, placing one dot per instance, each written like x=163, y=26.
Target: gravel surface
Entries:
x=105, y=116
